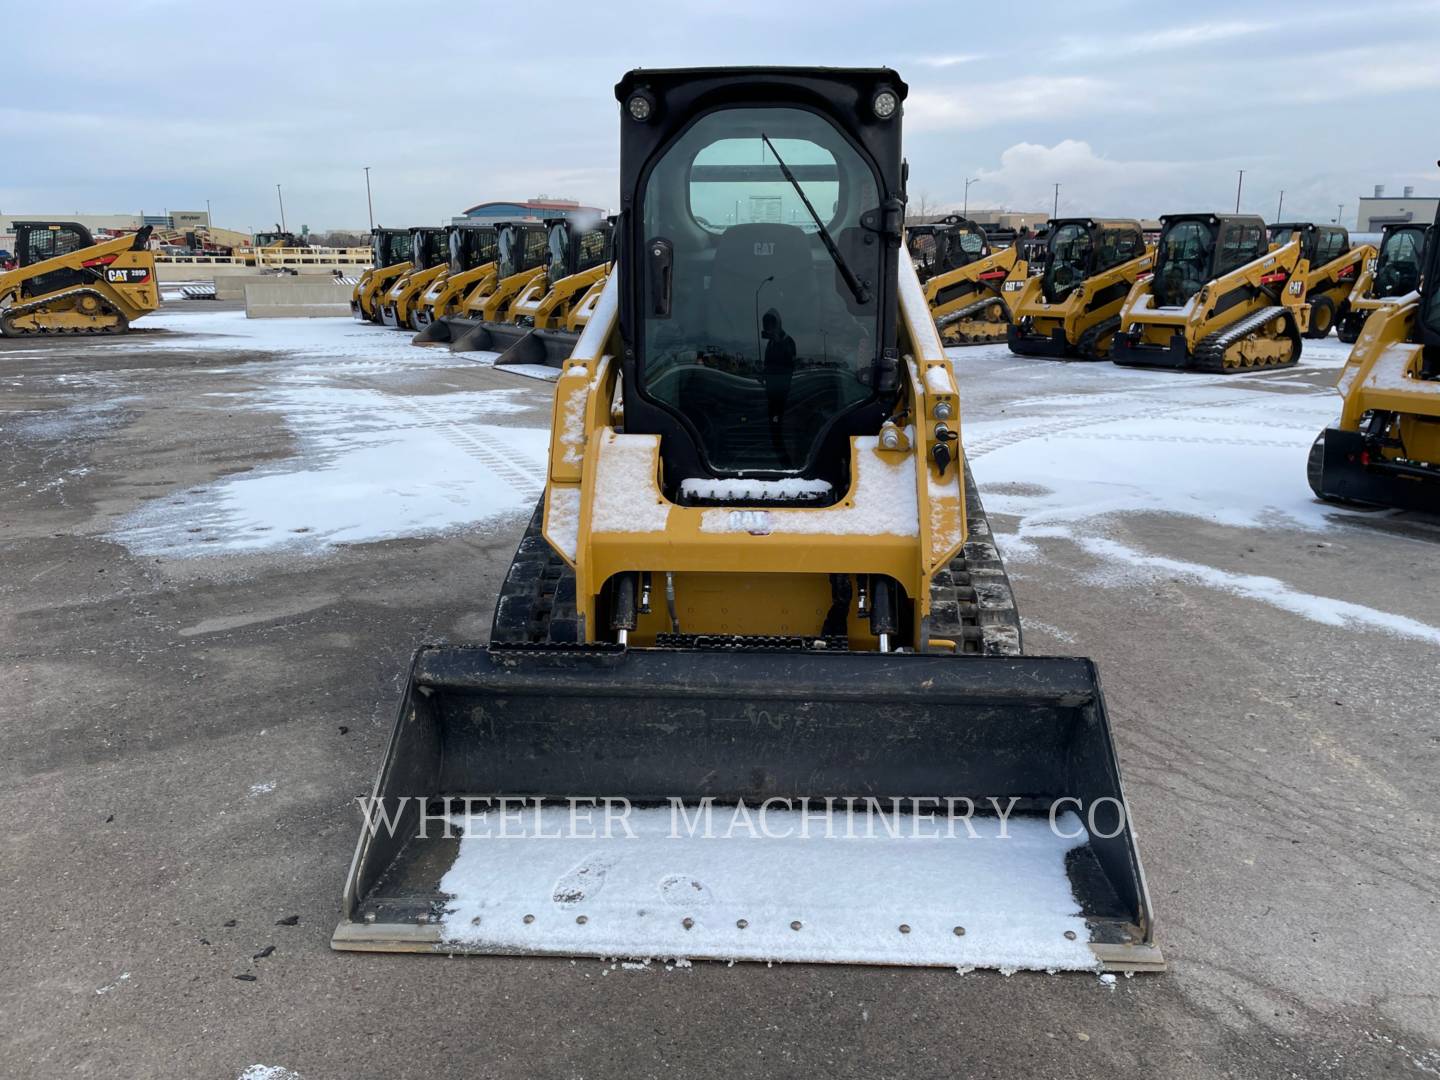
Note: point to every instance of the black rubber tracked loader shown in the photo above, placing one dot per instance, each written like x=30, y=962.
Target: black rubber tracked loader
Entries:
x=754, y=688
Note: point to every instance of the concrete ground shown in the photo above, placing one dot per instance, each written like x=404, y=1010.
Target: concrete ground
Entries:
x=192, y=707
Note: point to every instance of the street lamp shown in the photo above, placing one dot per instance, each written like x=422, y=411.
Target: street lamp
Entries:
x=1238, y=185
x=1280, y=205
x=281, y=197
x=966, y=212
x=368, y=202
x=1055, y=213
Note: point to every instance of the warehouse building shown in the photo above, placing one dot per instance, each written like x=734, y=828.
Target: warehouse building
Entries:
x=1380, y=209
x=537, y=209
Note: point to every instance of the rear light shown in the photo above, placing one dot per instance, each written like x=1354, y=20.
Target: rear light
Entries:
x=1364, y=457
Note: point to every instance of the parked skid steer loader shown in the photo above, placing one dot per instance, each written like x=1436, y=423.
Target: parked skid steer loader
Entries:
x=390, y=253
x=1219, y=299
x=65, y=283
x=429, y=258
x=1385, y=278
x=553, y=309
x=1333, y=269
x=473, y=250
x=1385, y=448
x=483, y=323
x=760, y=581
x=971, y=288
x=1072, y=308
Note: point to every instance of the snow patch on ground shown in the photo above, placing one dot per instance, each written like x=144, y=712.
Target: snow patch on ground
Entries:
x=269, y=1072
x=743, y=894
x=1224, y=449
x=371, y=466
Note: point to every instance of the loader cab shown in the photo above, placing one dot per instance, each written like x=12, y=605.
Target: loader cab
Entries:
x=471, y=246
x=1428, y=322
x=520, y=246
x=37, y=241
x=573, y=247
x=389, y=247
x=1079, y=248
x=1195, y=249
x=428, y=248
x=946, y=245
x=1319, y=244
x=757, y=262
x=1401, y=258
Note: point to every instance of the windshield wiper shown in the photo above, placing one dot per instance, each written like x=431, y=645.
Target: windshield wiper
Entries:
x=862, y=294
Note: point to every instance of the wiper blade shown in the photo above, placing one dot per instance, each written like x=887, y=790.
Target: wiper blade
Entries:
x=861, y=293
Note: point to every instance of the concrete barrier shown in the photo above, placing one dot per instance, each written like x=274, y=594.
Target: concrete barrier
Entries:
x=232, y=286
x=292, y=297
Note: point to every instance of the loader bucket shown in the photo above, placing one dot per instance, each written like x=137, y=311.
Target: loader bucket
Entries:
x=474, y=335
x=544, y=348
x=665, y=750
x=433, y=332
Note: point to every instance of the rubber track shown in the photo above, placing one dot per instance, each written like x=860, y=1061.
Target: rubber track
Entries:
x=39, y=305
x=971, y=602
x=1210, y=353
x=1087, y=346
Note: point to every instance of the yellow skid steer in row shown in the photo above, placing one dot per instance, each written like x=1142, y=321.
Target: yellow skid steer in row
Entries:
x=971, y=287
x=390, y=258
x=1385, y=448
x=1385, y=278
x=484, y=322
x=473, y=251
x=550, y=312
x=1072, y=308
x=1219, y=300
x=65, y=283
x=429, y=259
x=754, y=687
x=1332, y=269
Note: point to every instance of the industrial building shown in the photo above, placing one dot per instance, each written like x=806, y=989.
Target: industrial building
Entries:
x=537, y=209
x=1379, y=209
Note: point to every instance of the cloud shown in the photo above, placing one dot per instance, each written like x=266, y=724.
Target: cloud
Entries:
x=949, y=61
x=1173, y=37
x=982, y=104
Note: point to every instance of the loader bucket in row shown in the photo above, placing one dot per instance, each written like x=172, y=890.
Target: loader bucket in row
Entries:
x=542, y=348
x=754, y=805
x=476, y=335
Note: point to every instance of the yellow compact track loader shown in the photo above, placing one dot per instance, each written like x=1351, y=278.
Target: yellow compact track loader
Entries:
x=1384, y=279
x=551, y=311
x=971, y=287
x=484, y=321
x=1071, y=309
x=1219, y=300
x=473, y=251
x=1333, y=268
x=429, y=258
x=390, y=253
x=760, y=581
x=1385, y=448
x=65, y=283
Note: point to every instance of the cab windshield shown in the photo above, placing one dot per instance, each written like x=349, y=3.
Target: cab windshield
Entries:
x=1183, y=266
x=750, y=331
x=1068, y=263
x=1281, y=237
x=558, y=247
x=1398, y=269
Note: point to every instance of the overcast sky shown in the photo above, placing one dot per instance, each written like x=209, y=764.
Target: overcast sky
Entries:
x=153, y=105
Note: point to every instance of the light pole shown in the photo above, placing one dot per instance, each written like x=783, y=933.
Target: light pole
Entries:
x=966, y=212
x=1055, y=213
x=209, y=221
x=368, y=202
x=1280, y=205
x=281, y=197
x=1339, y=213
x=1238, y=185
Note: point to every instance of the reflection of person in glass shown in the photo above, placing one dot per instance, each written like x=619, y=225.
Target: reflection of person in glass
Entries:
x=779, y=370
